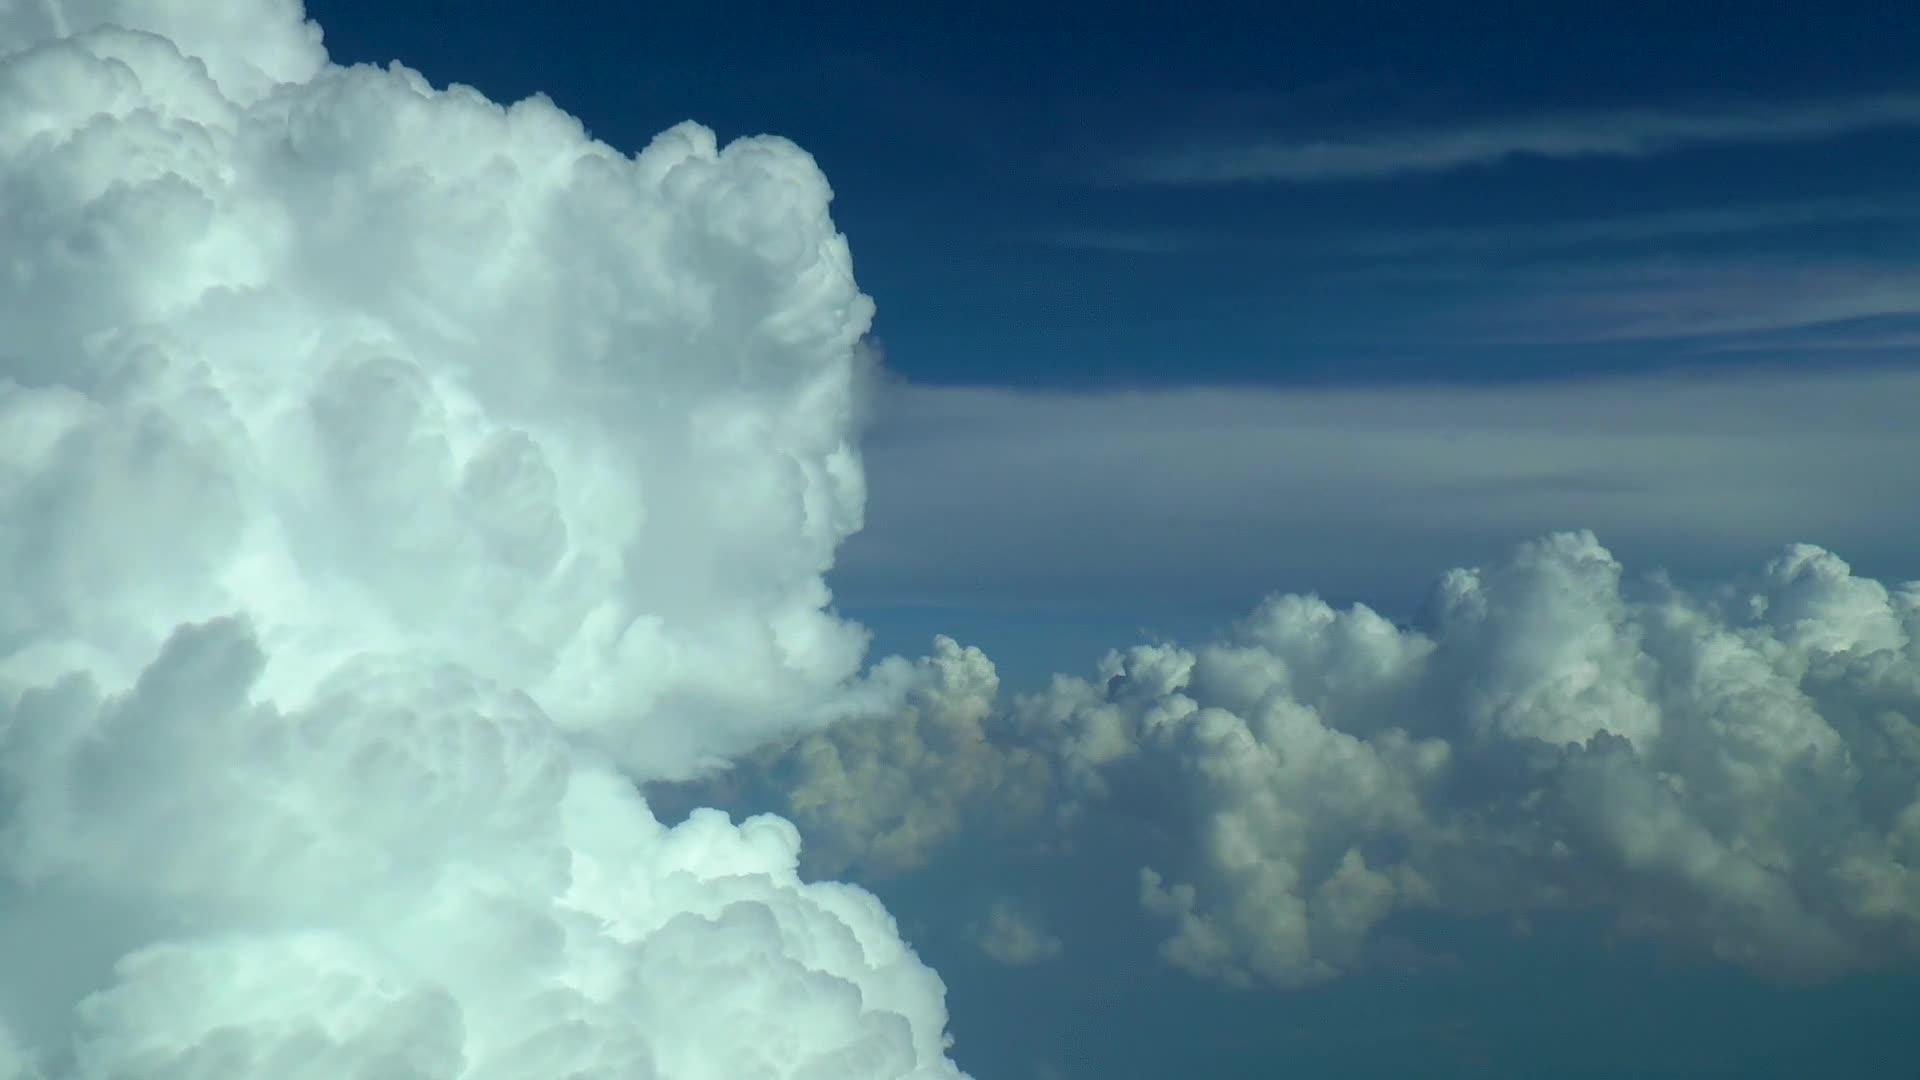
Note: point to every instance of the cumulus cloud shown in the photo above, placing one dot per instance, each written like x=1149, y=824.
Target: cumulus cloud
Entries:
x=1014, y=938
x=1732, y=768
x=881, y=793
x=389, y=479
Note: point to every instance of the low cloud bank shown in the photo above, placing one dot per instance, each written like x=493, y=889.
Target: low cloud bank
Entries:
x=1173, y=500
x=1733, y=768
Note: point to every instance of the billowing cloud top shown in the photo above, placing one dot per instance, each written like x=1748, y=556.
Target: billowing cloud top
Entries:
x=379, y=469
x=405, y=369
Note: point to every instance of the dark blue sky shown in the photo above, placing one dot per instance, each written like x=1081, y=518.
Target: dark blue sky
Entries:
x=982, y=156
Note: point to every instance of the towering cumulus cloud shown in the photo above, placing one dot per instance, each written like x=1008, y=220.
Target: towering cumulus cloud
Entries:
x=388, y=479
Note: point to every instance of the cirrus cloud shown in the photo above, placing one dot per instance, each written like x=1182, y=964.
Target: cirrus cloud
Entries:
x=1619, y=133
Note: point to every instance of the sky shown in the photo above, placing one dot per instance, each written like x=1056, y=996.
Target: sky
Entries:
x=1333, y=540
x=1321, y=195
x=1077, y=197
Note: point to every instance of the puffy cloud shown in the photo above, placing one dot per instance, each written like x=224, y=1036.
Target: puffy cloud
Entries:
x=387, y=480
x=882, y=793
x=14, y=1062
x=1734, y=768
x=1280, y=807
x=1013, y=938
x=574, y=419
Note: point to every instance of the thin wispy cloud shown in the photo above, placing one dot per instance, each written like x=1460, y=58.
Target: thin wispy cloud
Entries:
x=1628, y=229
x=1181, y=495
x=1789, y=221
x=1895, y=341
x=1620, y=133
x=1667, y=299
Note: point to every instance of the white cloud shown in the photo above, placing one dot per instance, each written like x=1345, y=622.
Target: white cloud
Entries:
x=380, y=470
x=1734, y=768
x=1631, y=300
x=1623, y=133
x=1634, y=229
x=15, y=1064
x=884, y=792
x=1828, y=341
x=1182, y=500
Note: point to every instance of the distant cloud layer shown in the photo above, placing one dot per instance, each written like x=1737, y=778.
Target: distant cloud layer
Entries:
x=387, y=478
x=1623, y=301
x=1734, y=768
x=1175, y=499
x=1622, y=133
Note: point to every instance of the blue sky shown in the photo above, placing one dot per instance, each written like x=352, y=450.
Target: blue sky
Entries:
x=996, y=167
x=1074, y=199
x=1451, y=217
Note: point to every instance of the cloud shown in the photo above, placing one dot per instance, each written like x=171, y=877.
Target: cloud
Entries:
x=1634, y=229
x=1622, y=133
x=882, y=793
x=14, y=1062
x=1186, y=499
x=1732, y=768
x=1012, y=938
x=1843, y=339
x=389, y=479
x=1636, y=300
